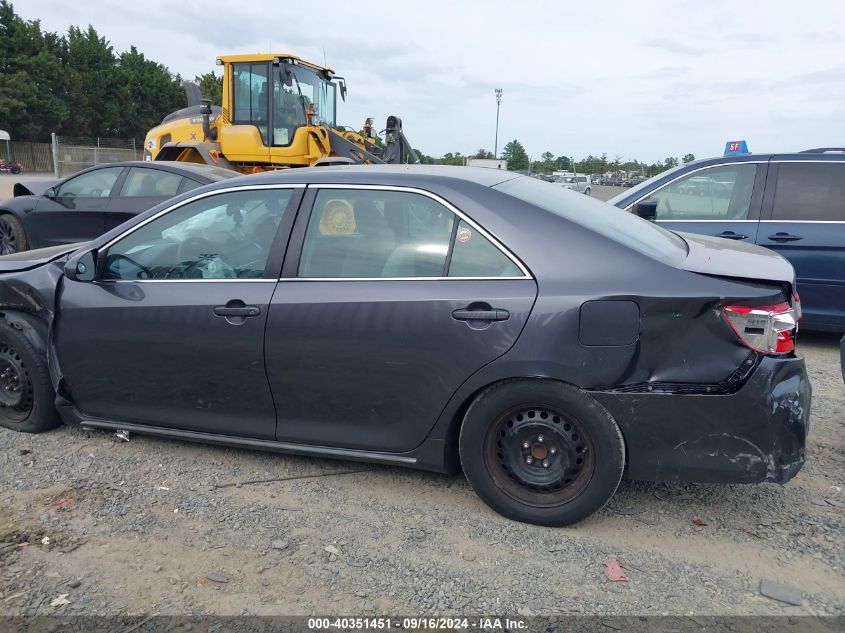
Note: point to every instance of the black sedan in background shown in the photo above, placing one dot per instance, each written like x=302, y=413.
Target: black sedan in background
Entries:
x=431, y=317
x=93, y=201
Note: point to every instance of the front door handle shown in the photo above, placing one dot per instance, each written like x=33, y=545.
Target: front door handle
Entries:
x=493, y=314
x=781, y=236
x=732, y=236
x=236, y=311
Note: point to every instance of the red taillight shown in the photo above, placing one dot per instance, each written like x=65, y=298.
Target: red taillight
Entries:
x=766, y=329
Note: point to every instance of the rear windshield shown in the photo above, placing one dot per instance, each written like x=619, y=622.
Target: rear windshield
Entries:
x=622, y=227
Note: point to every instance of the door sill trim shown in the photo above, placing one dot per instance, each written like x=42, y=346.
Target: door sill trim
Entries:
x=250, y=442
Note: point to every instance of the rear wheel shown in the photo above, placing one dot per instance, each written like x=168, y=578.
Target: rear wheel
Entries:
x=26, y=392
x=588, y=191
x=12, y=235
x=542, y=452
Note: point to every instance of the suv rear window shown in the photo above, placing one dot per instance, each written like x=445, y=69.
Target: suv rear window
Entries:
x=620, y=226
x=810, y=191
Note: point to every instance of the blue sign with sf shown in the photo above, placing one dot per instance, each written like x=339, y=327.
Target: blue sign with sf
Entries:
x=736, y=148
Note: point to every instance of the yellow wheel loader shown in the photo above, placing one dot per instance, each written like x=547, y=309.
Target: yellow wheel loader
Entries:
x=278, y=111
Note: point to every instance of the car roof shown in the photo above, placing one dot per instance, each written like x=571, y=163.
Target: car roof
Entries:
x=381, y=175
x=206, y=173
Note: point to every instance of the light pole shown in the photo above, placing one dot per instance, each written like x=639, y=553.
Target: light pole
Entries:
x=498, y=92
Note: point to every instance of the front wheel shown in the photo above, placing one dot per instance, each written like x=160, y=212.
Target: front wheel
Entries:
x=588, y=191
x=541, y=452
x=12, y=235
x=27, y=397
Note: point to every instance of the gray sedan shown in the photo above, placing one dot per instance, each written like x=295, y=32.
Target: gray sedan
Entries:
x=430, y=317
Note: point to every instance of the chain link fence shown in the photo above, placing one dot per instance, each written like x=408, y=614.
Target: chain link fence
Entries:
x=73, y=154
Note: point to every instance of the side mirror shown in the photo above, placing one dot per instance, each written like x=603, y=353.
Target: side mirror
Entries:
x=647, y=209
x=81, y=266
x=50, y=192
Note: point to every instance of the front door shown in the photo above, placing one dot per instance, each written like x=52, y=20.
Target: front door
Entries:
x=394, y=301
x=76, y=212
x=172, y=332
x=723, y=201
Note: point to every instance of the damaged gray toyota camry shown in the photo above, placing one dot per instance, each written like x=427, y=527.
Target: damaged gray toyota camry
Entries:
x=436, y=318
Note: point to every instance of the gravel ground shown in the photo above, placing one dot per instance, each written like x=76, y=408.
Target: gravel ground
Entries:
x=159, y=526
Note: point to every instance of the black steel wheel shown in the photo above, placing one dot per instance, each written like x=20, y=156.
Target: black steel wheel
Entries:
x=16, y=395
x=12, y=235
x=543, y=456
x=27, y=397
x=541, y=451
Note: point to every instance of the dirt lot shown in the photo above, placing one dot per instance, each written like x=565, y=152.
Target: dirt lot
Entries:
x=158, y=526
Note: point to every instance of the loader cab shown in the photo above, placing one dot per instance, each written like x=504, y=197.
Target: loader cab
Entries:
x=276, y=96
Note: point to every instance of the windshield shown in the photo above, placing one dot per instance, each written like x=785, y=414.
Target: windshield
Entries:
x=620, y=226
x=645, y=184
x=290, y=102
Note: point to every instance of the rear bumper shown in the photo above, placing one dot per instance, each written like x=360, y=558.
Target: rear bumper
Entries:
x=755, y=434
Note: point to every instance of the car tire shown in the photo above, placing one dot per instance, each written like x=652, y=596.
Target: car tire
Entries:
x=541, y=451
x=27, y=397
x=588, y=191
x=12, y=235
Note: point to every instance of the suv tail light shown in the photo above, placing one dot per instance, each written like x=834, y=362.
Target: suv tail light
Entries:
x=765, y=329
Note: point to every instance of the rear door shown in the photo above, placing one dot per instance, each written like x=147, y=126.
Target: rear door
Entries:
x=722, y=201
x=143, y=188
x=390, y=300
x=77, y=212
x=804, y=220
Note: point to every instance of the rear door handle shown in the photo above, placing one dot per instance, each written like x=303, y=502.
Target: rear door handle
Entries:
x=496, y=314
x=732, y=236
x=784, y=237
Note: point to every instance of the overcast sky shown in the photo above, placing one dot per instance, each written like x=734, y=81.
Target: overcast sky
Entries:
x=640, y=79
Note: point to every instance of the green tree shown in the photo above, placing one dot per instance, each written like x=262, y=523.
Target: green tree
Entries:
x=95, y=106
x=516, y=156
x=211, y=87
x=483, y=153
x=148, y=92
x=688, y=158
x=32, y=79
x=563, y=163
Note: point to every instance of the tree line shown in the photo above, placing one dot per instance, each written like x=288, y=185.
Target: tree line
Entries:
x=76, y=84
x=518, y=160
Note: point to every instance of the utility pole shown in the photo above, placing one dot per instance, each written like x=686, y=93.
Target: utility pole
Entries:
x=498, y=92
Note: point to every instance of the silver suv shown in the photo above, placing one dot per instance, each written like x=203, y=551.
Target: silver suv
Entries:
x=581, y=184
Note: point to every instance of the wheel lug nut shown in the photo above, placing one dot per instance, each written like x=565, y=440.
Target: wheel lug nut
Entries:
x=528, y=460
x=526, y=445
x=553, y=450
x=545, y=463
x=539, y=438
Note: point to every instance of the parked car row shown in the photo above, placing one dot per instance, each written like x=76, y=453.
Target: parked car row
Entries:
x=403, y=316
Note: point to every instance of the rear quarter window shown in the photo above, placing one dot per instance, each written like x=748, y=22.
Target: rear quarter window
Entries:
x=620, y=226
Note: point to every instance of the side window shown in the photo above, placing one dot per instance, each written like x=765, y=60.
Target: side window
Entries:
x=249, y=85
x=354, y=233
x=364, y=234
x=475, y=256
x=150, y=182
x=810, y=191
x=718, y=193
x=188, y=184
x=226, y=236
x=94, y=184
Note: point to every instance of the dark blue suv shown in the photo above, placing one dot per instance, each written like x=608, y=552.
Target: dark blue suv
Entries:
x=791, y=203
